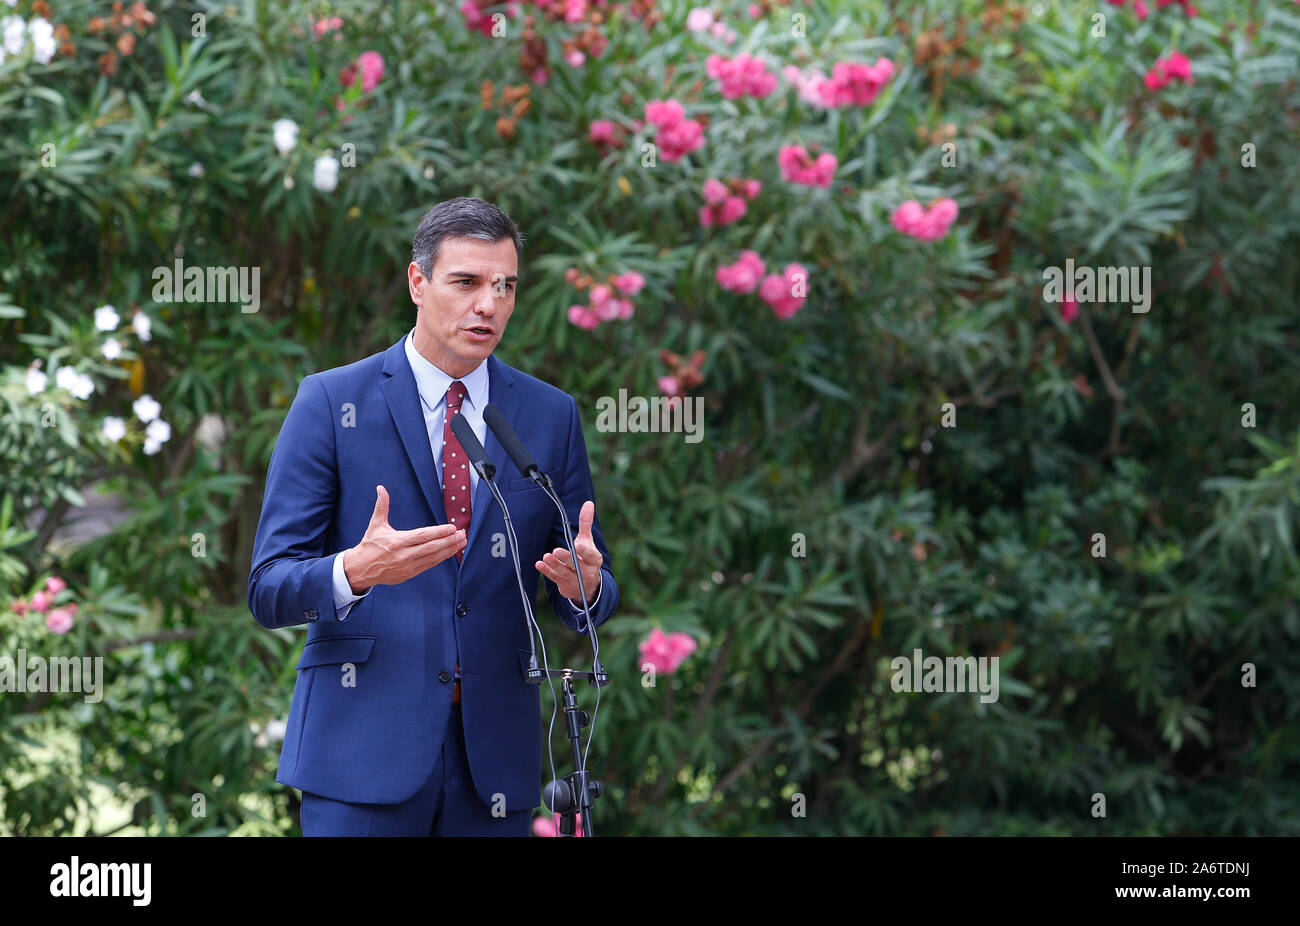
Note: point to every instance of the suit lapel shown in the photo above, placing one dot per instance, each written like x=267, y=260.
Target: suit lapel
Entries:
x=404, y=405
x=502, y=394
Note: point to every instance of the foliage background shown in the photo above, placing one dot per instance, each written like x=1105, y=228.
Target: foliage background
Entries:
x=1119, y=675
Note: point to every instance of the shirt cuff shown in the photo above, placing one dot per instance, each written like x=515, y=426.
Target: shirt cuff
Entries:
x=344, y=598
x=577, y=608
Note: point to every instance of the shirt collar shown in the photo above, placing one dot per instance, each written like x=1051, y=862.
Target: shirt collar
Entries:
x=432, y=383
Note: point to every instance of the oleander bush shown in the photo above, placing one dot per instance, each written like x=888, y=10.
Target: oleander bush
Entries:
x=831, y=224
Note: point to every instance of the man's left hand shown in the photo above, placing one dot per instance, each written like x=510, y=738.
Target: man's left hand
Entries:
x=558, y=565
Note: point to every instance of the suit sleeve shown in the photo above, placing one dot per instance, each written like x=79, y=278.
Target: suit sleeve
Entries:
x=291, y=577
x=575, y=488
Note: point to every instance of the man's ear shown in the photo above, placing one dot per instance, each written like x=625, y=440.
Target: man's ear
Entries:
x=415, y=282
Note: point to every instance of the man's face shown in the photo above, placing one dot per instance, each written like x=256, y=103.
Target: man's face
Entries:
x=464, y=303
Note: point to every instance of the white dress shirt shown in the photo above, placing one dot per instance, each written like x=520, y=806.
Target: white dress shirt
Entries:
x=432, y=384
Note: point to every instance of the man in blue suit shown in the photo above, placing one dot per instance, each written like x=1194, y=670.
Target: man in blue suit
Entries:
x=411, y=714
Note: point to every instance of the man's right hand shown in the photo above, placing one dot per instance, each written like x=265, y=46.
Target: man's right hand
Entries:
x=386, y=556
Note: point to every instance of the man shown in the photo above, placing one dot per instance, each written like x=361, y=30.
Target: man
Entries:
x=411, y=714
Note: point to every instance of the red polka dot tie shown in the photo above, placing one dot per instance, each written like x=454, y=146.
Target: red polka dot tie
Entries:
x=455, y=482
x=455, y=469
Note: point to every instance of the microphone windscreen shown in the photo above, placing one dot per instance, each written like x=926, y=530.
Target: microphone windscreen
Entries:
x=514, y=447
x=469, y=440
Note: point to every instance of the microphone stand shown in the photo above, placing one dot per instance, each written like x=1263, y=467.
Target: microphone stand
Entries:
x=575, y=792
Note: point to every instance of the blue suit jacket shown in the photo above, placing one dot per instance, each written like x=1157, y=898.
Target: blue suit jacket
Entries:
x=348, y=430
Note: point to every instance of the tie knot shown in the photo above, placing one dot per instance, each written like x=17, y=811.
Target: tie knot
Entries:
x=456, y=395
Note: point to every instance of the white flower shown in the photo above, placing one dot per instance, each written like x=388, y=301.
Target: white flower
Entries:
x=65, y=378
x=699, y=19
x=114, y=429
x=43, y=44
x=35, y=380
x=325, y=175
x=158, y=431
x=151, y=446
x=83, y=387
x=142, y=325
x=14, y=30
x=288, y=181
x=195, y=97
x=146, y=408
x=106, y=318
x=112, y=349
x=196, y=169
x=275, y=730
x=286, y=135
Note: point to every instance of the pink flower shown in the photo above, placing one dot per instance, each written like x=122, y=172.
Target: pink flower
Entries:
x=699, y=19
x=798, y=166
x=665, y=652
x=855, y=84
x=664, y=112
x=371, y=64
x=743, y=75
x=808, y=83
x=583, y=317
x=601, y=132
x=575, y=58
x=630, y=283
x=787, y=293
x=59, y=620
x=742, y=276
x=1179, y=67
x=910, y=219
x=548, y=825
x=54, y=585
x=1174, y=67
x=751, y=188
x=1069, y=310
x=734, y=208
x=755, y=11
x=41, y=601
x=1141, y=9
x=722, y=31
x=540, y=75
x=475, y=18
x=669, y=386
x=329, y=24
x=714, y=192
x=18, y=606
x=575, y=11
x=676, y=136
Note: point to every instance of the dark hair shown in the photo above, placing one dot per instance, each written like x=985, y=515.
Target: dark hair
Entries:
x=462, y=217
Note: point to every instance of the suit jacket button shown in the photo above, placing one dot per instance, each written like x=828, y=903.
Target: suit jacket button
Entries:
x=444, y=676
x=462, y=609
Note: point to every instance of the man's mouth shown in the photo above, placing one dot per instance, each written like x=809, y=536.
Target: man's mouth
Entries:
x=480, y=331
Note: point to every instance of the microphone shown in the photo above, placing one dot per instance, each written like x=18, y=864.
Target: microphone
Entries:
x=486, y=469
x=478, y=457
x=513, y=446
x=527, y=466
